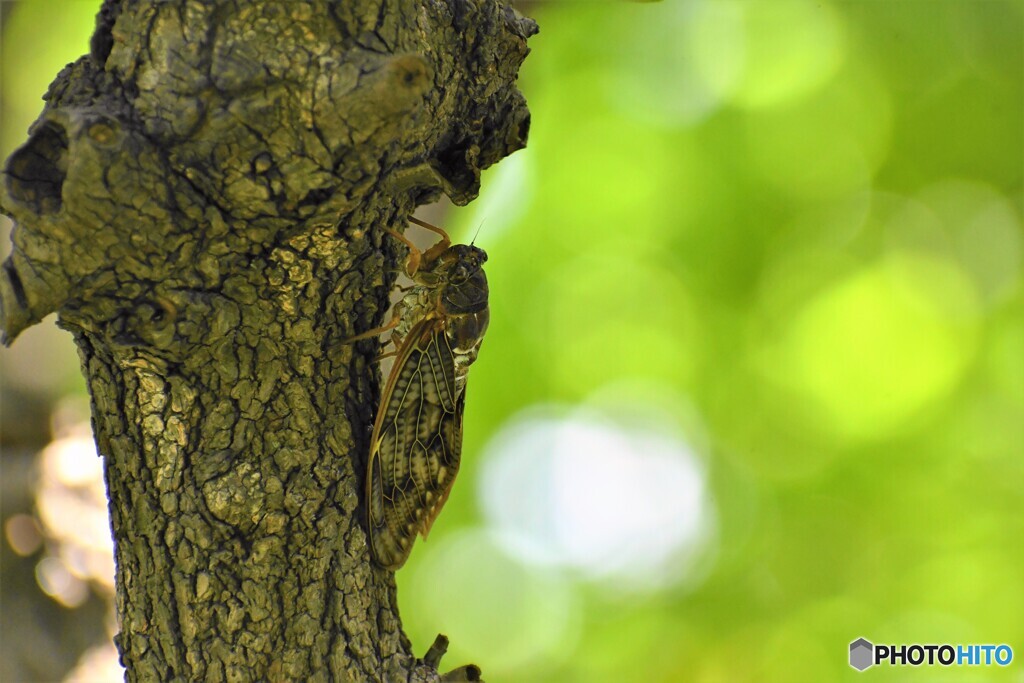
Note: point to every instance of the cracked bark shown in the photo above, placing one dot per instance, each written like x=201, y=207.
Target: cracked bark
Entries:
x=202, y=201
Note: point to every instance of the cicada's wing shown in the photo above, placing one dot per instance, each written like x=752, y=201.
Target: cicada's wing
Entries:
x=416, y=446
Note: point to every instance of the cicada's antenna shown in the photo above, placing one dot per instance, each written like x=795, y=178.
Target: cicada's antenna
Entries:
x=477, y=233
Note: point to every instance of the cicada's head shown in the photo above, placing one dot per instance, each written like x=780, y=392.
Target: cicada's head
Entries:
x=461, y=271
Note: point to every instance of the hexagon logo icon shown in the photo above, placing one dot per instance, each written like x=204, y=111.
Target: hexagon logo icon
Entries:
x=862, y=654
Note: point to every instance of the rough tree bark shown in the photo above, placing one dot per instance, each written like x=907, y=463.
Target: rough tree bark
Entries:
x=202, y=201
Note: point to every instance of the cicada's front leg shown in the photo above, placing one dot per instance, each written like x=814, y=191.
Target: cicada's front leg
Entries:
x=431, y=254
x=415, y=256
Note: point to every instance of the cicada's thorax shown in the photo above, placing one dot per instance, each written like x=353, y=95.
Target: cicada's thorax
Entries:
x=453, y=291
x=463, y=305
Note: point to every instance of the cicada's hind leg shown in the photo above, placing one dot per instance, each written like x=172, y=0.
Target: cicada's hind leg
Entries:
x=438, y=248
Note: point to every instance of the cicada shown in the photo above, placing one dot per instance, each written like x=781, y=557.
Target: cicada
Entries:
x=416, y=446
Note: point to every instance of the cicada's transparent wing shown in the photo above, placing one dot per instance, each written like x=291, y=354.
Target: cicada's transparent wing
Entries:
x=416, y=446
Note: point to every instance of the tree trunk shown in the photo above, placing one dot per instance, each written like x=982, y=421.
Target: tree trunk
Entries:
x=203, y=202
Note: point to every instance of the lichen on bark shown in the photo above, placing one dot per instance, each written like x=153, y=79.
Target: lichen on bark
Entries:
x=203, y=201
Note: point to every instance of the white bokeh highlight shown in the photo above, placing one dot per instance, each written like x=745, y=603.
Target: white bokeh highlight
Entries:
x=619, y=503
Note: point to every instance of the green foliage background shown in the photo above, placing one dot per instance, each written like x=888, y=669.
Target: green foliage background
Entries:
x=788, y=232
